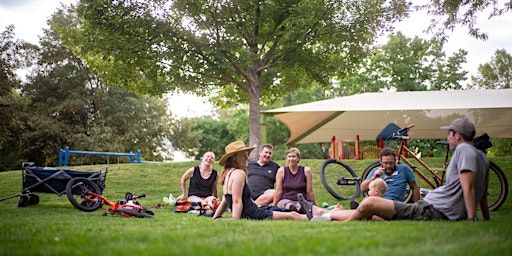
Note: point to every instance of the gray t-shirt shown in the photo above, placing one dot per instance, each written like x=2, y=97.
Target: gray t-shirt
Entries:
x=449, y=198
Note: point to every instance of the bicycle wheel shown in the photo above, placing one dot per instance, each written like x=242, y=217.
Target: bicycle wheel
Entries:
x=77, y=189
x=135, y=213
x=376, y=164
x=340, y=180
x=498, y=187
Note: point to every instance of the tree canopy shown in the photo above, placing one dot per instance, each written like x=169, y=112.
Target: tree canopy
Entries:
x=495, y=74
x=407, y=64
x=243, y=52
x=447, y=15
x=61, y=103
x=12, y=105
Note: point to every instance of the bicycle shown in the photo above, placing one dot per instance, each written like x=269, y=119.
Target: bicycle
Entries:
x=86, y=196
x=342, y=182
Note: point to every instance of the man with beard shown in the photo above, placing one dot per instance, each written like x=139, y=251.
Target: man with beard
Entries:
x=397, y=176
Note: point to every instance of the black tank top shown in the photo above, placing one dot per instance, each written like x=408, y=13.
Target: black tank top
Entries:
x=250, y=209
x=201, y=187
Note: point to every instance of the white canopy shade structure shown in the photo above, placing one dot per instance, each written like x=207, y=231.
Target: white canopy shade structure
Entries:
x=368, y=113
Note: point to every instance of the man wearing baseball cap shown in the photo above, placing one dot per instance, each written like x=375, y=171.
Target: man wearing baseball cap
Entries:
x=467, y=178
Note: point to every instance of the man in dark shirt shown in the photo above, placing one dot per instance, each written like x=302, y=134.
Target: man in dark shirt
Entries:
x=262, y=176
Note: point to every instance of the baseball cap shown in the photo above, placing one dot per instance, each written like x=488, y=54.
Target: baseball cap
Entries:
x=462, y=126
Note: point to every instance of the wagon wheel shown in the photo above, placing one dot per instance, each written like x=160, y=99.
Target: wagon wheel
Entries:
x=33, y=199
x=23, y=202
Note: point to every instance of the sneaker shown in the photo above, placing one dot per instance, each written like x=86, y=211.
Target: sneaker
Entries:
x=305, y=205
x=354, y=204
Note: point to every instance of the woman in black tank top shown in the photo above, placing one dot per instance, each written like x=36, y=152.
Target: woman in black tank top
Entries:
x=203, y=182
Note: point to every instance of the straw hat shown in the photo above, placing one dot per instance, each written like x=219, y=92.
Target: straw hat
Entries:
x=233, y=148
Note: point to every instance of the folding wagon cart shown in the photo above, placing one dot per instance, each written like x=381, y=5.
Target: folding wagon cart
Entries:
x=51, y=180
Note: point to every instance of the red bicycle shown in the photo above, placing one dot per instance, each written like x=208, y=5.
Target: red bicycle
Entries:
x=86, y=196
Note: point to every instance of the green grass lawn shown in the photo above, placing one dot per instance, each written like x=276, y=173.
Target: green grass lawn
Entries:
x=55, y=227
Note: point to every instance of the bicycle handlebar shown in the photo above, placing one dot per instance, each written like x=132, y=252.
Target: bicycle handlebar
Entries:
x=444, y=143
x=405, y=129
x=398, y=134
x=139, y=196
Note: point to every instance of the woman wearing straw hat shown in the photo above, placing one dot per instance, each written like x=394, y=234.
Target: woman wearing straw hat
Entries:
x=237, y=195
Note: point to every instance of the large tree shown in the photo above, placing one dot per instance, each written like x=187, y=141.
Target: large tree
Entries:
x=12, y=105
x=407, y=64
x=70, y=106
x=495, y=74
x=242, y=51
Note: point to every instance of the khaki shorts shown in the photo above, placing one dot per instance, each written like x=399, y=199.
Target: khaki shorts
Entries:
x=417, y=211
x=286, y=203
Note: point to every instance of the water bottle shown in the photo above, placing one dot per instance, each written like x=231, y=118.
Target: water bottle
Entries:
x=171, y=199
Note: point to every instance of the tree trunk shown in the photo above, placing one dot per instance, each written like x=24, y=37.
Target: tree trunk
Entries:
x=254, y=123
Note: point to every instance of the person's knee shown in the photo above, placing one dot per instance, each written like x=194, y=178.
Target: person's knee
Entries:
x=269, y=193
x=367, y=204
x=266, y=198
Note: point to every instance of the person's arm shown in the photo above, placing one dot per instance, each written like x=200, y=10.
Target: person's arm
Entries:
x=415, y=191
x=220, y=209
x=214, y=188
x=237, y=187
x=467, y=181
x=279, y=186
x=411, y=180
x=365, y=185
x=187, y=175
x=484, y=207
x=309, y=185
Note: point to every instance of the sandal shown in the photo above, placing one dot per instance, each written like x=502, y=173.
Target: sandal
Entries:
x=305, y=205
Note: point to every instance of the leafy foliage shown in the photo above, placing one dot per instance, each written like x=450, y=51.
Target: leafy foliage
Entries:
x=214, y=135
x=495, y=74
x=407, y=64
x=450, y=14
x=244, y=51
x=63, y=104
x=12, y=105
x=500, y=147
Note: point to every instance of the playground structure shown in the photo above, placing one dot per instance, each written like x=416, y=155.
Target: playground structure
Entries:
x=351, y=149
x=64, y=155
x=343, y=148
